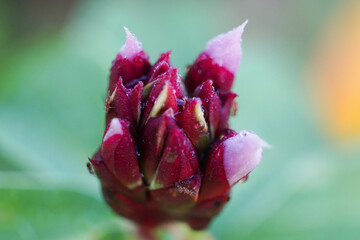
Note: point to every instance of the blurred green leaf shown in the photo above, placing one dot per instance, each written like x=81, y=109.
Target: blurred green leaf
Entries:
x=35, y=214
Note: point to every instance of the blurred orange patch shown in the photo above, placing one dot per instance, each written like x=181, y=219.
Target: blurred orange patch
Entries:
x=336, y=73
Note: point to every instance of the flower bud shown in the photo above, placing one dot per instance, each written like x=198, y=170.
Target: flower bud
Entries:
x=165, y=156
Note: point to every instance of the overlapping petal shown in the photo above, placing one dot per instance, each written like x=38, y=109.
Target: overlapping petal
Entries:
x=170, y=156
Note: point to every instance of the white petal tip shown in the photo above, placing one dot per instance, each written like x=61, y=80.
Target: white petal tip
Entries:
x=262, y=142
x=225, y=49
x=114, y=128
x=131, y=47
x=243, y=25
x=242, y=154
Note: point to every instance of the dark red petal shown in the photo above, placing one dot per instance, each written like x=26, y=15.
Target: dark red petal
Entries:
x=111, y=183
x=203, y=69
x=143, y=214
x=119, y=154
x=192, y=121
x=153, y=139
x=215, y=182
x=118, y=106
x=179, y=197
x=135, y=101
x=128, y=70
x=178, y=161
x=175, y=79
x=161, y=98
x=205, y=211
x=212, y=106
x=160, y=67
x=229, y=107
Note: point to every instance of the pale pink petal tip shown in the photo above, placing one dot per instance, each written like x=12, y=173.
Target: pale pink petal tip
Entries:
x=225, y=49
x=114, y=128
x=131, y=47
x=242, y=153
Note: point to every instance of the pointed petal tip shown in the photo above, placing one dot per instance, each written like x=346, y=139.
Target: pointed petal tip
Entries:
x=225, y=48
x=242, y=153
x=115, y=127
x=127, y=31
x=262, y=142
x=243, y=25
x=131, y=47
x=165, y=56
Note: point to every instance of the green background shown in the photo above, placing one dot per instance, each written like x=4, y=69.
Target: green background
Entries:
x=54, y=64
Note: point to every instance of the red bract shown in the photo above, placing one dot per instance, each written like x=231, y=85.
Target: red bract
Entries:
x=166, y=156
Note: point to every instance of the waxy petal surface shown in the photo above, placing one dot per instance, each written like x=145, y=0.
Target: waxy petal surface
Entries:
x=242, y=153
x=153, y=140
x=132, y=46
x=178, y=161
x=169, y=155
x=192, y=121
x=225, y=49
x=119, y=154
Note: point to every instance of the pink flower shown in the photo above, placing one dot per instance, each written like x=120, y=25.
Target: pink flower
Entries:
x=167, y=156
